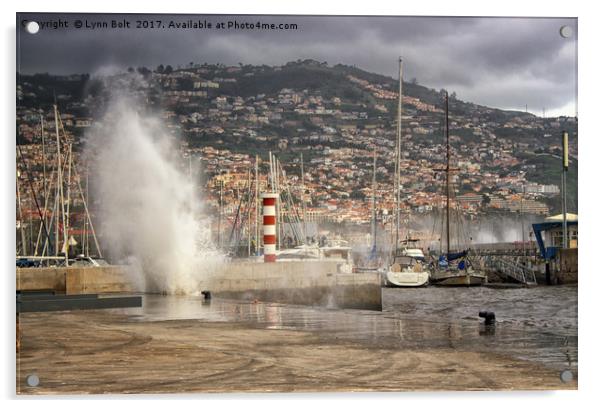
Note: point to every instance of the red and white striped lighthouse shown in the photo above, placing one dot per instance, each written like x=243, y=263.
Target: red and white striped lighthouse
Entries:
x=269, y=226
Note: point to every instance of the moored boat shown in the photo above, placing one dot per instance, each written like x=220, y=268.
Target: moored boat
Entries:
x=407, y=271
x=407, y=268
x=455, y=269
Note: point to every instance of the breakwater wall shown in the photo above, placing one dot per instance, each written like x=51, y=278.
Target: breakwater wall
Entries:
x=314, y=283
x=317, y=283
x=74, y=280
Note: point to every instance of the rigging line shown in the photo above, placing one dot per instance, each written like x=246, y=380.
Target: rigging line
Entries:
x=294, y=219
x=35, y=198
x=58, y=172
x=247, y=210
x=46, y=197
x=235, y=223
x=79, y=186
x=50, y=225
x=246, y=218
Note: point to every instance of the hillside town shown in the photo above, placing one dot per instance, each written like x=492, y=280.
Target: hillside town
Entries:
x=335, y=121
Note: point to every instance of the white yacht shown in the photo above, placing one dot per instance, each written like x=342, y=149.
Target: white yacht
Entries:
x=407, y=268
x=407, y=271
x=335, y=250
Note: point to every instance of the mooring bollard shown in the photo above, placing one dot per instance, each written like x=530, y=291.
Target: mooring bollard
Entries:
x=488, y=316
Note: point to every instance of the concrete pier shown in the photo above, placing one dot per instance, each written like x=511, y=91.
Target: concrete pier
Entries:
x=318, y=283
x=74, y=280
x=310, y=283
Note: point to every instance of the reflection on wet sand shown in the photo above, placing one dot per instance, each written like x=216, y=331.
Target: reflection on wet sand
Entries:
x=538, y=325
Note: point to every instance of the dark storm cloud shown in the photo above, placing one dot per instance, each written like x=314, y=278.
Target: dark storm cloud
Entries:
x=502, y=62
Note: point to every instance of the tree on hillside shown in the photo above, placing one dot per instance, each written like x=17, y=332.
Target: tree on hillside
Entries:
x=143, y=71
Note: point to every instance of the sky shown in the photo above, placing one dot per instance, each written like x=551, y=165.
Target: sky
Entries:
x=507, y=63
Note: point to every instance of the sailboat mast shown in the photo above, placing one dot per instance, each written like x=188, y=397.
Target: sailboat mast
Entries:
x=256, y=202
x=46, y=189
x=271, y=176
x=219, y=217
x=249, y=211
x=68, y=210
x=43, y=156
x=65, y=247
x=86, y=247
x=398, y=154
x=374, y=201
x=278, y=202
x=84, y=200
x=43, y=215
x=447, y=169
x=58, y=182
x=21, y=223
x=303, y=202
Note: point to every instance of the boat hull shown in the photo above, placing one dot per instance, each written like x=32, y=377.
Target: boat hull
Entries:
x=407, y=279
x=460, y=280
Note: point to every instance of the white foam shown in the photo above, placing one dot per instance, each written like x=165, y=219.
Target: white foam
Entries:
x=150, y=210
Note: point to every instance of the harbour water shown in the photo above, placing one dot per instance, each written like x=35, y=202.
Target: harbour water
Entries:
x=536, y=324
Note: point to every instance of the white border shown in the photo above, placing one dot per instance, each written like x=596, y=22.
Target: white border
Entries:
x=590, y=148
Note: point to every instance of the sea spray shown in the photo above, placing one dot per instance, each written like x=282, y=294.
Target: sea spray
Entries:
x=147, y=208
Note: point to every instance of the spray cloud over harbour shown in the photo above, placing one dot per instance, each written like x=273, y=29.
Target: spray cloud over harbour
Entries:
x=150, y=210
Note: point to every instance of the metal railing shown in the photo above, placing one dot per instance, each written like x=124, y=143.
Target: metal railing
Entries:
x=512, y=267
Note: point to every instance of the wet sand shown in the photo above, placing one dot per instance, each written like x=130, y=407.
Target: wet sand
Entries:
x=180, y=345
x=537, y=323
